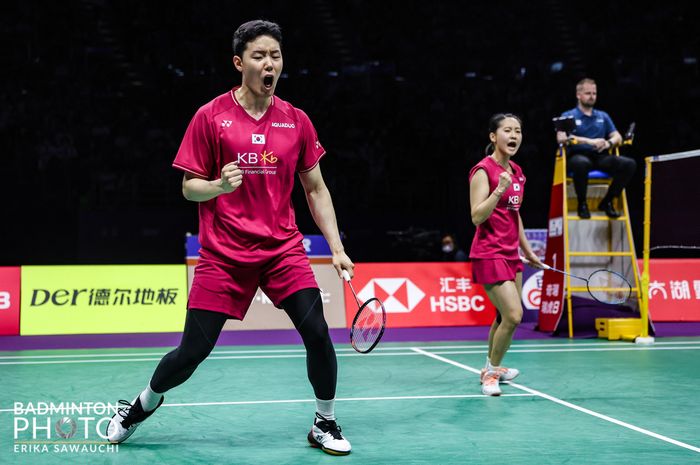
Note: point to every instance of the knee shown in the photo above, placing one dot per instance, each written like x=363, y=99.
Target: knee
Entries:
x=192, y=357
x=316, y=335
x=511, y=318
x=580, y=164
x=629, y=165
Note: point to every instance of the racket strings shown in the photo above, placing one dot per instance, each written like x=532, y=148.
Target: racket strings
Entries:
x=609, y=287
x=368, y=326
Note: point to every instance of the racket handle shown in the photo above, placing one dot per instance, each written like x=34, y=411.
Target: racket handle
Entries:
x=544, y=265
x=346, y=275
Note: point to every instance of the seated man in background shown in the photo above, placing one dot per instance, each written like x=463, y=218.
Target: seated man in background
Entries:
x=595, y=136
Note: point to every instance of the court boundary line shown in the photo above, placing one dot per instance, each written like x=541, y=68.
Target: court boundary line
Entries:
x=566, y=404
x=403, y=351
x=339, y=399
x=612, y=344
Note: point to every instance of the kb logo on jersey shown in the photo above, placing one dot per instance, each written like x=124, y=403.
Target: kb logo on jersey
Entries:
x=253, y=159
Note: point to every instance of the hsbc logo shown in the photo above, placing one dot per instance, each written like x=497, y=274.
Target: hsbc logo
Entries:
x=399, y=295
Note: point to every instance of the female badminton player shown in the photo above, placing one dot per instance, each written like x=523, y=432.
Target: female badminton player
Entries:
x=496, y=188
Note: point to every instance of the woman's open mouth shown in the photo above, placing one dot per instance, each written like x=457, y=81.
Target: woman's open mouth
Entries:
x=268, y=81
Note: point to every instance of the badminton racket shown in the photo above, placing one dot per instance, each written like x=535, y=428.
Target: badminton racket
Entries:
x=368, y=325
x=605, y=286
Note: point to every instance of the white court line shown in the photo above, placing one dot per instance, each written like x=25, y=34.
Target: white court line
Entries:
x=593, y=349
x=406, y=351
x=341, y=399
x=567, y=404
x=342, y=349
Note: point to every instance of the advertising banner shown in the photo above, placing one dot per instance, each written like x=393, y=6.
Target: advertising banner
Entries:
x=532, y=277
x=103, y=299
x=674, y=289
x=552, y=295
x=9, y=300
x=422, y=294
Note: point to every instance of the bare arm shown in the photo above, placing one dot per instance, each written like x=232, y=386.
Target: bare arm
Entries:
x=615, y=138
x=323, y=213
x=200, y=190
x=482, y=201
x=599, y=144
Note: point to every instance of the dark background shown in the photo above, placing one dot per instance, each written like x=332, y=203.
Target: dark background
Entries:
x=96, y=95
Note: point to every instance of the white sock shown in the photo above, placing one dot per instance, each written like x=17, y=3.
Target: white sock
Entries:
x=326, y=408
x=490, y=367
x=149, y=399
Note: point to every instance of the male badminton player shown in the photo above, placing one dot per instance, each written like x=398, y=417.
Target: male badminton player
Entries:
x=239, y=155
x=496, y=188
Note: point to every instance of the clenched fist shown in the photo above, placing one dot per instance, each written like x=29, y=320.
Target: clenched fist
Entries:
x=231, y=177
x=504, y=181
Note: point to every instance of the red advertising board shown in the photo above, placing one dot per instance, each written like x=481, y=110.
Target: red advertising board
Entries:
x=422, y=294
x=9, y=300
x=552, y=296
x=674, y=289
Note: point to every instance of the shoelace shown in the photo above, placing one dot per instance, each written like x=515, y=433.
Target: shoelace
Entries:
x=128, y=413
x=124, y=411
x=330, y=427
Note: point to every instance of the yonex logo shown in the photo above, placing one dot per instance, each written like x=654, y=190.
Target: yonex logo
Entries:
x=259, y=139
x=226, y=123
x=283, y=125
x=399, y=295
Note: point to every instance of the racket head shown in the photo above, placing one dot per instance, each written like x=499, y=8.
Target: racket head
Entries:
x=368, y=326
x=609, y=287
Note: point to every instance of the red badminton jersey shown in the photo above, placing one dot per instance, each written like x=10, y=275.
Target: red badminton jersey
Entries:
x=498, y=236
x=256, y=221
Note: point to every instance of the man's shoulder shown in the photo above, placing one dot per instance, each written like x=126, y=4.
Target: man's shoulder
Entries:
x=217, y=105
x=289, y=111
x=573, y=112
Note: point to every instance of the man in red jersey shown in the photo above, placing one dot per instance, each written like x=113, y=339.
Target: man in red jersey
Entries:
x=239, y=155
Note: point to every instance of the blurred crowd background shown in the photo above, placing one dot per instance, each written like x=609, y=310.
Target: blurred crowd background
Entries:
x=96, y=95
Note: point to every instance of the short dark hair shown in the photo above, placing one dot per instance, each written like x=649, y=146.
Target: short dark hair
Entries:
x=248, y=32
x=582, y=82
x=495, y=123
